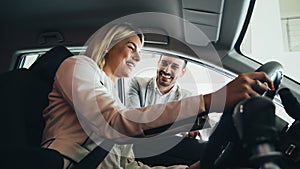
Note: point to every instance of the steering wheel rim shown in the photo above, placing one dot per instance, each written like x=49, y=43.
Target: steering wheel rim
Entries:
x=275, y=72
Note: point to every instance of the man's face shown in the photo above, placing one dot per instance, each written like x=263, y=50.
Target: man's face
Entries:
x=169, y=70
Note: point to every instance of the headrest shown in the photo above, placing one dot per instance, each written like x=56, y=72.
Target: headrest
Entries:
x=46, y=66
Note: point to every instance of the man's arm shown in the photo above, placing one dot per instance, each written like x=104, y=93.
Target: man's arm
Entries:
x=133, y=95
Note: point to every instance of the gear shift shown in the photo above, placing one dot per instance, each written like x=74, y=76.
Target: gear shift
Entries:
x=254, y=120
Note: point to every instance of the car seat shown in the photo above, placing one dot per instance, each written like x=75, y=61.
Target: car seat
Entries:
x=24, y=95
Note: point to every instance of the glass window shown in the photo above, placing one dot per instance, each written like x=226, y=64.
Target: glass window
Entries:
x=25, y=58
x=274, y=34
x=29, y=59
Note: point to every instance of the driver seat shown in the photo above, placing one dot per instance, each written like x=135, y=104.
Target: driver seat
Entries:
x=24, y=95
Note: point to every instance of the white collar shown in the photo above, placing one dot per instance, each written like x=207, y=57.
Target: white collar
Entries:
x=174, y=88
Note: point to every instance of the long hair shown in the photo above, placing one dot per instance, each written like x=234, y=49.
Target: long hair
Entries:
x=108, y=36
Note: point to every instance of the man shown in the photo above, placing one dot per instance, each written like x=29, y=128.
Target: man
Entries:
x=162, y=88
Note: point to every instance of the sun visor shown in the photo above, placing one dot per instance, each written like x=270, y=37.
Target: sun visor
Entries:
x=202, y=16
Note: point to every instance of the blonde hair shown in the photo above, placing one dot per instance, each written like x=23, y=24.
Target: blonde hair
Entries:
x=108, y=36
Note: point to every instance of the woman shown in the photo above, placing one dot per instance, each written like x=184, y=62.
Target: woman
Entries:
x=84, y=107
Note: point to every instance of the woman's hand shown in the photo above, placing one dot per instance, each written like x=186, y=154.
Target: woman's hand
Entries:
x=191, y=134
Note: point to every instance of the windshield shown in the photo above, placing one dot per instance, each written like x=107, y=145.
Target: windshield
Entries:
x=274, y=35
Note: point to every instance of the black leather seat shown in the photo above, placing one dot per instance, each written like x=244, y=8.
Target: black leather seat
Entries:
x=24, y=95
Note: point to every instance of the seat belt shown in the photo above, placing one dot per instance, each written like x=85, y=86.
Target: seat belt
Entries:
x=95, y=157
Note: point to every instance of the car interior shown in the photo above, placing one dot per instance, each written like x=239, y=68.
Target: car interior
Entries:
x=211, y=35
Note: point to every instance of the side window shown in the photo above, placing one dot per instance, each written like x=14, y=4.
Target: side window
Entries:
x=274, y=32
x=26, y=60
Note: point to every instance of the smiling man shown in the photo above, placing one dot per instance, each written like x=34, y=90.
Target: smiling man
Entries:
x=160, y=89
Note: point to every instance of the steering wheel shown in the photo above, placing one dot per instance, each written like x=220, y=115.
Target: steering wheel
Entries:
x=224, y=147
x=275, y=72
